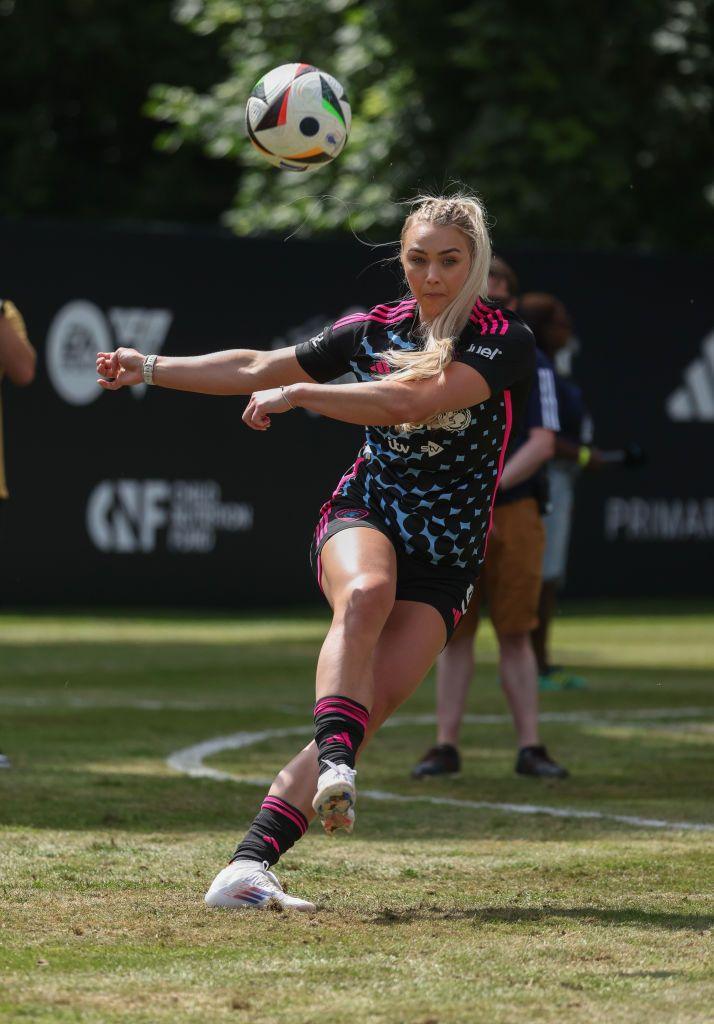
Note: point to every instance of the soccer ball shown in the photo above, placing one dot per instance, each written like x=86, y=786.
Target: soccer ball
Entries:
x=298, y=117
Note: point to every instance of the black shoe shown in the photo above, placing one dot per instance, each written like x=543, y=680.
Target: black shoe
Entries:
x=440, y=760
x=535, y=761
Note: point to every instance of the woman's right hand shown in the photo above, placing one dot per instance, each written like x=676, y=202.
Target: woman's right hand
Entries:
x=119, y=369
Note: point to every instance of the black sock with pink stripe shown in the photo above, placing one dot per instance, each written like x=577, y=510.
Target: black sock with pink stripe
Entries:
x=276, y=827
x=340, y=724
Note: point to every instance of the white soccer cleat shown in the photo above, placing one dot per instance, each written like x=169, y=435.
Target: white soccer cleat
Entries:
x=335, y=798
x=247, y=884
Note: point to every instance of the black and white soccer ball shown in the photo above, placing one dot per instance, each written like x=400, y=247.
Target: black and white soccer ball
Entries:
x=298, y=117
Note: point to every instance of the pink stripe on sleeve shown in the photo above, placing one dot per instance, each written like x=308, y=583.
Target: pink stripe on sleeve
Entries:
x=386, y=320
x=489, y=314
x=479, y=322
x=504, y=322
x=387, y=310
x=355, y=318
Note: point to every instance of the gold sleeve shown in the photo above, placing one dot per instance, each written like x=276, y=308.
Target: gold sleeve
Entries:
x=14, y=317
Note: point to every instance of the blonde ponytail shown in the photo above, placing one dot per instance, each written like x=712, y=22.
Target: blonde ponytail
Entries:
x=466, y=213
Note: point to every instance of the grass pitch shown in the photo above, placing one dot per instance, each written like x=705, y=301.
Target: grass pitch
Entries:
x=435, y=914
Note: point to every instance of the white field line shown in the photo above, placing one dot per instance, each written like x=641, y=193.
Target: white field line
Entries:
x=190, y=761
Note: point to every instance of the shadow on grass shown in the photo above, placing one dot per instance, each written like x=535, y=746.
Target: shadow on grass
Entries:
x=547, y=914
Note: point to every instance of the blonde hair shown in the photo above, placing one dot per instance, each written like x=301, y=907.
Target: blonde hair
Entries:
x=467, y=213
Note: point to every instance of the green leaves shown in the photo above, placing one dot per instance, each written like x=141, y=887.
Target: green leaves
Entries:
x=359, y=187
x=564, y=120
x=586, y=125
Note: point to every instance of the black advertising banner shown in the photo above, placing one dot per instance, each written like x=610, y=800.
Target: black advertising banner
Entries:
x=150, y=497
x=646, y=364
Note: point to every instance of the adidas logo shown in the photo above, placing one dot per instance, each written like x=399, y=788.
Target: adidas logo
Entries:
x=694, y=400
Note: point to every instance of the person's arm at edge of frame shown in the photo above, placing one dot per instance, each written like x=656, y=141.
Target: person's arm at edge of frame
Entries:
x=538, y=449
x=237, y=371
x=244, y=371
x=18, y=358
x=586, y=455
x=382, y=402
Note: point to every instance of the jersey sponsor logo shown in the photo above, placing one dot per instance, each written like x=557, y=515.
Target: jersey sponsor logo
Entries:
x=180, y=516
x=80, y=329
x=432, y=448
x=455, y=421
x=352, y=513
x=693, y=401
x=397, y=446
x=484, y=351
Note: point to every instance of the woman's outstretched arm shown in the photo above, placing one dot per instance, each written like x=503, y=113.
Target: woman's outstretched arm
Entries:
x=378, y=403
x=237, y=371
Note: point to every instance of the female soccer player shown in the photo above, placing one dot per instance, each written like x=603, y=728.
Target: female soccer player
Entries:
x=441, y=376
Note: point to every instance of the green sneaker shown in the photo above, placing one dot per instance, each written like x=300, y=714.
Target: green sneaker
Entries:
x=547, y=682
x=560, y=679
x=575, y=683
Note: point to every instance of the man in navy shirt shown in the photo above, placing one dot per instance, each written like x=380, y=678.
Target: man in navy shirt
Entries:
x=574, y=452
x=510, y=581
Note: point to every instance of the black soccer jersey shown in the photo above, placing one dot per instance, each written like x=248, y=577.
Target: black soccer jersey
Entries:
x=432, y=487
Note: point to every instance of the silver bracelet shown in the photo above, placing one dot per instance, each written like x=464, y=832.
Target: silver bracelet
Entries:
x=282, y=389
x=148, y=369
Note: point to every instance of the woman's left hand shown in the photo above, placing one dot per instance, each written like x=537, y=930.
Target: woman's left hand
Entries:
x=262, y=405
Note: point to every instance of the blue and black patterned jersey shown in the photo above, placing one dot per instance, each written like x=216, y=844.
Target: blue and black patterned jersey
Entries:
x=432, y=487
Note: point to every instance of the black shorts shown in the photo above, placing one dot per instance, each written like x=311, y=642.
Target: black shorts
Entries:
x=446, y=589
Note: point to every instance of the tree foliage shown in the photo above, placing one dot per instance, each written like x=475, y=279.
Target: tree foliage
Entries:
x=595, y=125
x=343, y=36
x=579, y=124
x=74, y=76
x=586, y=125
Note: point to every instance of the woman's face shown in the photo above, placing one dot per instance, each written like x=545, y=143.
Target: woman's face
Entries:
x=436, y=261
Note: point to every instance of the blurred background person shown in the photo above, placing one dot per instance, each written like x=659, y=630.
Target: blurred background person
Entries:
x=503, y=286
x=17, y=364
x=552, y=326
x=510, y=581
